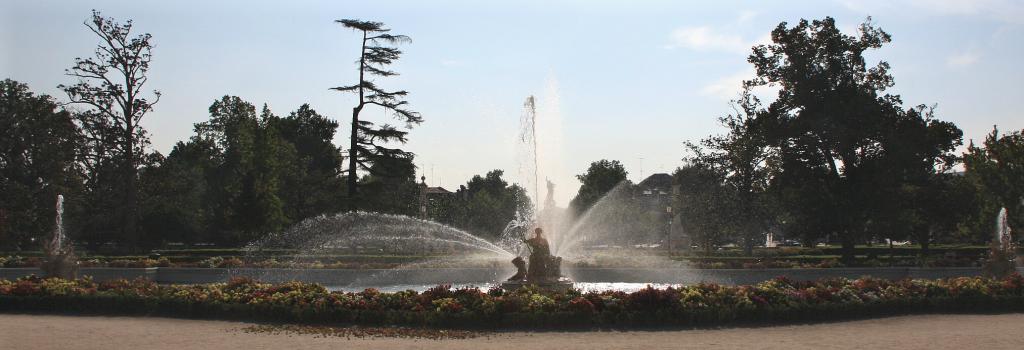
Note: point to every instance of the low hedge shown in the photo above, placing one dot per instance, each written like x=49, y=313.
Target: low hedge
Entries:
x=778, y=300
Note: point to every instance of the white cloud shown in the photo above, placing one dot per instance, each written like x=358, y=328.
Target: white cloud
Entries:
x=728, y=87
x=957, y=7
x=451, y=63
x=1011, y=11
x=706, y=39
x=746, y=16
x=764, y=39
x=962, y=59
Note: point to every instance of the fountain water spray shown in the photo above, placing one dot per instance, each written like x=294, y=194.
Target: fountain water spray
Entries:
x=60, y=258
x=419, y=242
x=58, y=228
x=529, y=137
x=512, y=236
x=537, y=153
x=428, y=247
x=1002, y=257
x=1003, y=230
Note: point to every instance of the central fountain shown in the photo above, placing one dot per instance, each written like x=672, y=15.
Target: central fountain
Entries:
x=544, y=271
x=416, y=252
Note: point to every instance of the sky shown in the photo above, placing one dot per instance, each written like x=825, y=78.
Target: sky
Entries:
x=624, y=80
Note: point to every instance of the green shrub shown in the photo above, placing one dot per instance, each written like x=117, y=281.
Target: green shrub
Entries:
x=696, y=305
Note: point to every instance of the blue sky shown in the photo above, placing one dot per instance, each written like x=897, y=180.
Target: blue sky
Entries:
x=629, y=80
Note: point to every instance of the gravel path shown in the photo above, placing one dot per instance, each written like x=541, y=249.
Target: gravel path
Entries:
x=29, y=332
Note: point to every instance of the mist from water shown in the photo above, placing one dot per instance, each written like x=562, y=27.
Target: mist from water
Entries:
x=383, y=233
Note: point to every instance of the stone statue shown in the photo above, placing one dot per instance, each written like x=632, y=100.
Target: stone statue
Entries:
x=520, y=265
x=549, y=202
x=543, y=267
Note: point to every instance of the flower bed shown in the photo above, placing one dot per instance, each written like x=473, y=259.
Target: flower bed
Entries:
x=774, y=301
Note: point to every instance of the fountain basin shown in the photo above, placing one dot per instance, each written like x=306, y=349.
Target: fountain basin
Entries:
x=560, y=285
x=383, y=278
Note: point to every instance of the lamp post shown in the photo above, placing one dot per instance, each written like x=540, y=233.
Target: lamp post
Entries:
x=423, y=197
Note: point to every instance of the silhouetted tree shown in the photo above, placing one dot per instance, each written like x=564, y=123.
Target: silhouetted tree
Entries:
x=910, y=177
x=705, y=204
x=830, y=126
x=311, y=181
x=602, y=176
x=996, y=170
x=487, y=203
x=111, y=84
x=38, y=148
x=177, y=203
x=744, y=159
x=247, y=180
x=367, y=139
x=391, y=187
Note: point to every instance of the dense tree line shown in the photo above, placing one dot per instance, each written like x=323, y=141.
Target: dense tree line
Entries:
x=245, y=171
x=242, y=174
x=483, y=206
x=38, y=148
x=834, y=157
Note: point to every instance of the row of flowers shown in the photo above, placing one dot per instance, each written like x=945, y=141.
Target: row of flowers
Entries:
x=696, y=305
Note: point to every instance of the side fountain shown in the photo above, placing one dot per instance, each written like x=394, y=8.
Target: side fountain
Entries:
x=60, y=260
x=1002, y=258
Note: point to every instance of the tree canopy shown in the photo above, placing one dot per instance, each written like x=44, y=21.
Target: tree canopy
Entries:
x=602, y=176
x=837, y=134
x=111, y=84
x=38, y=149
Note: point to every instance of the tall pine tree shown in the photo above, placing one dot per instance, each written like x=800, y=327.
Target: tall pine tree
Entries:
x=367, y=139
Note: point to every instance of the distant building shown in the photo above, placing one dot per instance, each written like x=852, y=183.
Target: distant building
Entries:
x=432, y=197
x=436, y=192
x=657, y=185
x=654, y=196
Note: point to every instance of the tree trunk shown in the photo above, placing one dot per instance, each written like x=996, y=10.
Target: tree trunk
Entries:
x=352, y=157
x=131, y=211
x=131, y=193
x=848, y=245
x=925, y=240
x=748, y=246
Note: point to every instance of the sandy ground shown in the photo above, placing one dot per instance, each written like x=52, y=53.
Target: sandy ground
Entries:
x=909, y=332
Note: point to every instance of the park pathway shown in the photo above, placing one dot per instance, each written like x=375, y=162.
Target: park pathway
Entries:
x=30, y=332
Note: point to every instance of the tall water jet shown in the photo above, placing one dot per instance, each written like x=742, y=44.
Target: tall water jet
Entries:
x=60, y=260
x=58, y=227
x=525, y=217
x=612, y=221
x=537, y=159
x=1003, y=230
x=528, y=136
